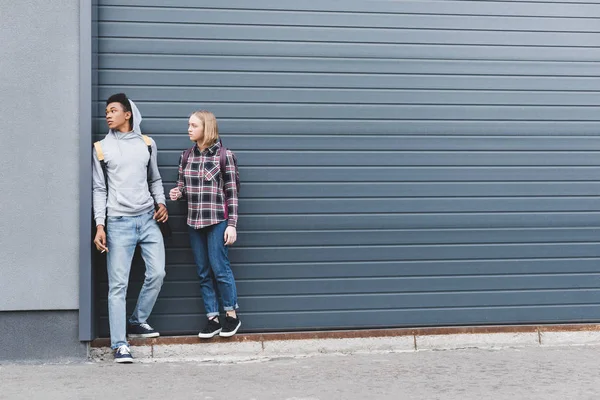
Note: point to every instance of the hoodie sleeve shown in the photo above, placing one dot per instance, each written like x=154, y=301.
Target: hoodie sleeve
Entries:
x=155, y=182
x=99, y=190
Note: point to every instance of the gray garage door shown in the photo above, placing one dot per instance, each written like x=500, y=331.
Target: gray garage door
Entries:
x=404, y=163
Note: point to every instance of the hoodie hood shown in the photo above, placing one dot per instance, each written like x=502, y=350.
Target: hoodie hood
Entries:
x=137, y=118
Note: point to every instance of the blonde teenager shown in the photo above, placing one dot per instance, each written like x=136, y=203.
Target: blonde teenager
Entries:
x=212, y=200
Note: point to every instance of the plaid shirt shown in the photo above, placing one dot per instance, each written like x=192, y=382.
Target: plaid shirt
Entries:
x=202, y=186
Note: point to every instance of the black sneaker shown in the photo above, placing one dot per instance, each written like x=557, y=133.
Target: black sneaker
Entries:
x=230, y=326
x=211, y=329
x=141, y=331
x=123, y=355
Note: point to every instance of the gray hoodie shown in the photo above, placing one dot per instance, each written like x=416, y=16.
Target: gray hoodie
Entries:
x=126, y=156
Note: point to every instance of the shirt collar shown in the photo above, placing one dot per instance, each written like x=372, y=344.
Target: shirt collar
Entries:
x=211, y=151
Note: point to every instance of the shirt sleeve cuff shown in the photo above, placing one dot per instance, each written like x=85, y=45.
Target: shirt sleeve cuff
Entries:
x=100, y=221
x=231, y=222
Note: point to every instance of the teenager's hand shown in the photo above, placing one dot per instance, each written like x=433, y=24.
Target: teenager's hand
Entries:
x=230, y=235
x=175, y=194
x=100, y=239
x=161, y=215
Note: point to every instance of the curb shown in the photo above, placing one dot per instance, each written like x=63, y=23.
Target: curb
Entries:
x=247, y=347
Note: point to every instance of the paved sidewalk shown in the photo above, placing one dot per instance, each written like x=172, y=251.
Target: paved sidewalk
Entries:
x=526, y=373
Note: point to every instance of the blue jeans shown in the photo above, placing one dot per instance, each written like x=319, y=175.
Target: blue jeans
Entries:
x=123, y=234
x=212, y=261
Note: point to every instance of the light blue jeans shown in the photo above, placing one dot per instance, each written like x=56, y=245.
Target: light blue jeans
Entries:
x=123, y=234
x=212, y=262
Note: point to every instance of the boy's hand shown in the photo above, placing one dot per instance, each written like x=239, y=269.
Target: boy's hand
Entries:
x=161, y=215
x=100, y=239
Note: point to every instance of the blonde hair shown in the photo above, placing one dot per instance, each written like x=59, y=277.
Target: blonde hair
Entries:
x=211, y=129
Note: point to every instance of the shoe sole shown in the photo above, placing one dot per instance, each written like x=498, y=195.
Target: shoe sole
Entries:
x=209, y=335
x=143, y=335
x=233, y=332
x=124, y=360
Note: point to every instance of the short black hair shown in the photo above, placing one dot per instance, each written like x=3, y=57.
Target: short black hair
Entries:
x=124, y=101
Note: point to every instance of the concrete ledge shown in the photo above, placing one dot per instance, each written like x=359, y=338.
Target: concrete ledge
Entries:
x=195, y=351
x=276, y=345
x=484, y=341
x=106, y=354
x=284, y=348
x=569, y=338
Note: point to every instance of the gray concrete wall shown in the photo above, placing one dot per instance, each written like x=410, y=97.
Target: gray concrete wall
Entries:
x=40, y=336
x=39, y=152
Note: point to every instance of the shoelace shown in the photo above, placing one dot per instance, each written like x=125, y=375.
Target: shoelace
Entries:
x=146, y=326
x=124, y=350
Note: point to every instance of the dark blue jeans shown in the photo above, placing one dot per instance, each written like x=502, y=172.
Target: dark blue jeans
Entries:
x=211, y=254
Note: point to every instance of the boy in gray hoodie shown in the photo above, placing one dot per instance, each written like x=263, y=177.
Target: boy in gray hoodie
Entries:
x=124, y=196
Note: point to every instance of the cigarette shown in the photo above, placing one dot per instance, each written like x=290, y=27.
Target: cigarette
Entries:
x=102, y=251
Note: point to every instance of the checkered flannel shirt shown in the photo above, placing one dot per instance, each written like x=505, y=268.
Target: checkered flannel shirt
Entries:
x=202, y=185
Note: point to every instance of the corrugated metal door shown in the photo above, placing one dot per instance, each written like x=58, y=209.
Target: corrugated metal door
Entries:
x=404, y=163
